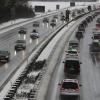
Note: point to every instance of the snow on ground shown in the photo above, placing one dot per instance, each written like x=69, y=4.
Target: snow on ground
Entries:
x=52, y=5
x=47, y=51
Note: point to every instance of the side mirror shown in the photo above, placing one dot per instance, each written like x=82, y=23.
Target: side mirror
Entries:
x=63, y=62
x=80, y=62
x=59, y=84
x=92, y=37
x=80, y=84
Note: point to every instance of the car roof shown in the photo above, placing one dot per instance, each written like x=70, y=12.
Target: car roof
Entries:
x=35, y=22
x=22, y=28
x=73, y=41
x=20, y=41
x=4, y=51
x=71, y=49
x=75, y=58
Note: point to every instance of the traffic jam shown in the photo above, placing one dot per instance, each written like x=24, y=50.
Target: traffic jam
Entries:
x=28, y=82
x=70, y=86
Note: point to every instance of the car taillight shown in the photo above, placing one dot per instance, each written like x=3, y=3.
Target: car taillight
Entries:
x=62, y=89
x=77, y=89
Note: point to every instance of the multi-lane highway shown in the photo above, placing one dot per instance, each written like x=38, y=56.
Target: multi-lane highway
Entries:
x=90, y=73
x=7, y=42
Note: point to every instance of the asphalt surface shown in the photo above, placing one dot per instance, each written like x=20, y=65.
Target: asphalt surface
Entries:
x=90, y=71
x=7, y=42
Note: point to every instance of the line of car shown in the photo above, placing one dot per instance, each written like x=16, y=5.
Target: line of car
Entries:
x=20, y=44
x=94, y=47
x=70, y=85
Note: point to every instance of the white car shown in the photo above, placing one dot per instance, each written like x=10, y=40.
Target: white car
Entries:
x=34, y=34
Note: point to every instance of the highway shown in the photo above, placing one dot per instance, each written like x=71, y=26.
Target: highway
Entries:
x=90, y=72
x=7, y=42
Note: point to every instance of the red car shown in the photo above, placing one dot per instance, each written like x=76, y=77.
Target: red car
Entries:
x=69, y=88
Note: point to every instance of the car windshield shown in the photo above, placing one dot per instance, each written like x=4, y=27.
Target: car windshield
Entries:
x=3, y=52
x=20, y=41
x=73, y=44
x=72, y=63
x=69, y=85
x=72, y=52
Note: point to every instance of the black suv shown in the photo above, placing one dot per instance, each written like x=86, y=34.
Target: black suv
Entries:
x=36, y=24
x=71, y=66
x=20, y=45
x=4, y=56
x=46, y=20
x=22, y=30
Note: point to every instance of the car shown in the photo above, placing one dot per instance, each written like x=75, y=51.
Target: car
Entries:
x=4, y=56
x=34, y=34
x=73, y=44
x=89, y=19
x=22, y=30
x=62, y=18
x=98, y=20
x=36, y=24
x=20, y=45
x=85, y=23
x=46, y=20
x=79, y=35
x=69, y=88
x=81, y=29
x=96, y=37
x=53, y=23
x=94, y=47
x=55, y=16
x=71, y=65
x=98, y=25
x=96, y=30
x=72, y=52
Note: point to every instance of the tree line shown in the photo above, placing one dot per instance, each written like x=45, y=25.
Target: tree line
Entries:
x=12, y=9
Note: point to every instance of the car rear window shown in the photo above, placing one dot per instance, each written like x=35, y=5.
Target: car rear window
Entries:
x=69, y=85
x=72, y=63
x=72, y=52
x=97, y=36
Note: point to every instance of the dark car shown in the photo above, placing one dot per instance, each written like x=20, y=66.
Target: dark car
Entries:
x=85, y=23
x=4, y=56
x=98, y=20
x=36, y=24
x=81, y=29
x=22, y=31
x=62, y=18
x=94, y=47
x=55, y=16
x=34, y=34
x=79, y=35
x=53, y=23
x=71, y=65
x=45, y=20
x=20, y=45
